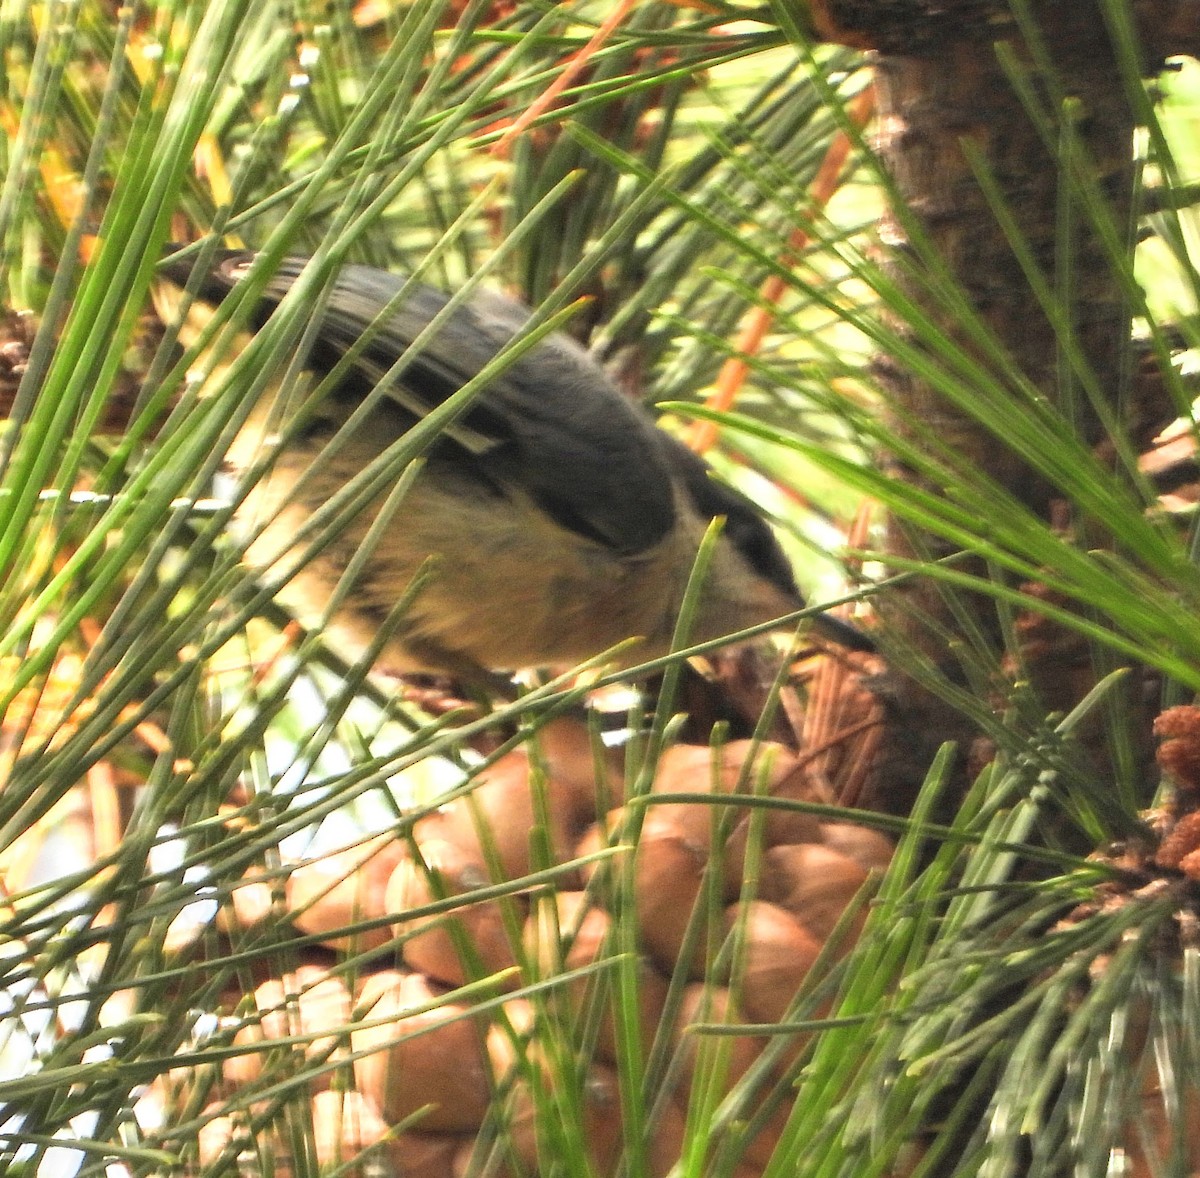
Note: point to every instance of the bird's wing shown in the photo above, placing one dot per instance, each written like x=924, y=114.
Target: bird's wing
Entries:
x=551, y=423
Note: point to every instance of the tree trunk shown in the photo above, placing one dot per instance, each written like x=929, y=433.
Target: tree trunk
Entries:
x=942, y=84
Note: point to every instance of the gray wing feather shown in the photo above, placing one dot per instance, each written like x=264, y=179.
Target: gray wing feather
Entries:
x=552, y=423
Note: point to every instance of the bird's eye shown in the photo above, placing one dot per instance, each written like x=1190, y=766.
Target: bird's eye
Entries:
x=758, y=547
x=754, y=545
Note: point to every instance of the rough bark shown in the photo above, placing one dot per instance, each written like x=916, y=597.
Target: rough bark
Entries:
x=1168, y=28
x=941, y=85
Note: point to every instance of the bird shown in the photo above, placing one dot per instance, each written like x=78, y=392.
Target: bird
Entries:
x=554, y=520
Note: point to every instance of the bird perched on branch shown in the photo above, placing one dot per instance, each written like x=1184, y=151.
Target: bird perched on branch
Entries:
x=561, y=520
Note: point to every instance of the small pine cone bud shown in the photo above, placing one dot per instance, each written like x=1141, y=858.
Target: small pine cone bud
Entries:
x=1179, y=753
x=1190, y=865
x=1183, y=842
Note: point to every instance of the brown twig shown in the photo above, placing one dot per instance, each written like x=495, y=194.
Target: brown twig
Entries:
x=734, y=371
x=570, y=71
